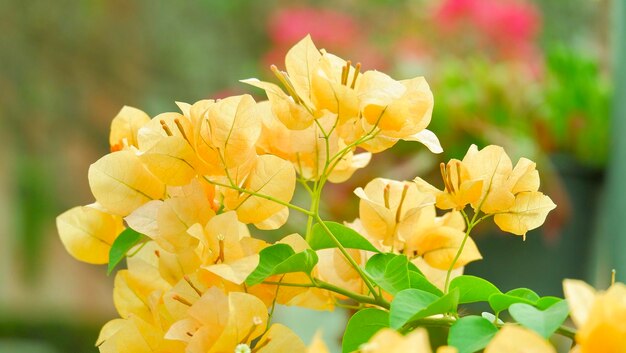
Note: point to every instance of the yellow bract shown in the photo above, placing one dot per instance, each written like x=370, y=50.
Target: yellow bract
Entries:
x=125, y=126
x=121, y=183
x=599, y=316
x=87, y=233
x=515, y=339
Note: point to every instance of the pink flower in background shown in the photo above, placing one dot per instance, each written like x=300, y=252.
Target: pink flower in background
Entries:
x=336, y=31
x=508, y=27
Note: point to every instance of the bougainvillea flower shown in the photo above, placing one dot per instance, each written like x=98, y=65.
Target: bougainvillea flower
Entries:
x=599, y=316
x=125, y=126
x=88, y=232
x=487, y=181
x=389, y=209
x=270, y=176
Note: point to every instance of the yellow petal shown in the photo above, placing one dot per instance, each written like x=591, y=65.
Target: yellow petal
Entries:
x=280, y=339
x=390, y=341
x=493, y=166
x=580, y=297
x=120, y=183
x=515, y=339
x=529, y=212
x=524, y=177
x=301, y=61
x=271, y=176
x=235, y=129
x=236, y=271
x=348, y=165
x=144, y=219
x=317, y=345
x=294, y=116
x=274, y=222
x=330, y=93
x=88, y=233
x=439, y=245
x=109, y=329
x=428, y=139
x=247, y=318
x=172, y=160
x=125, y=126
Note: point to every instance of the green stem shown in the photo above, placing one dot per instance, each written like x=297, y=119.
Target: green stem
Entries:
x=456, y=257
x=332, y=288
x=267, y=197
x=353, y=263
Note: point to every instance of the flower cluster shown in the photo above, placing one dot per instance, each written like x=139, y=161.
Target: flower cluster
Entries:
x=180, y=195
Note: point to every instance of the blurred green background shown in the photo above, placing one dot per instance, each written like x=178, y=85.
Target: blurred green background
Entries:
x=534, y=76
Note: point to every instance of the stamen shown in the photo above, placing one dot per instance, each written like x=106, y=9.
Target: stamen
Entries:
x=449, y=176
x=357, y=70
x=220, y=242
x=344, y=74
x=613, y=272
x=258, y=347
x=442, y=169
x=180, y=128
x=399, y=211
x=242, y=348
x=284, y=79
x=182, y=300
x=166, y=128
x=157, y=253
x=188, y=280
x=256, y=321
x=458, y=175
x=386, y=192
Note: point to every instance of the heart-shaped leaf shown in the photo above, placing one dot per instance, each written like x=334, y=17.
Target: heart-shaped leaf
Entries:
x=414, y=304
x=389, y=271
x=348, y=237
x=281, y=258
x=473, y=289
x=471, y=333
x=362, y=326
x=544, y=322
x=500, y=302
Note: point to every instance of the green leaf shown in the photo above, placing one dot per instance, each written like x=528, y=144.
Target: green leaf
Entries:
x=546, y=302
x=500, y=302
x=124, y=242
x=281, y=258
x=347, y=237
x=470, y=334
x=473, y=289
x=414, y=304
x=389, y=271
x=544, y=322
x=524, y=293
x=418, y=281
x=362, y=326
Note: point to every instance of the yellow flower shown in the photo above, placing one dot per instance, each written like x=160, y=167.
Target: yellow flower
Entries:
x=487, y=180
x=221, y=323
x=599, y=316
x=389, y=209
x=306, y=148
x=125, y=126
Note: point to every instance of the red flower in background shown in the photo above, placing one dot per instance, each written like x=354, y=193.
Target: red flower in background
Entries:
x=336, y=31
x=509, y=28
